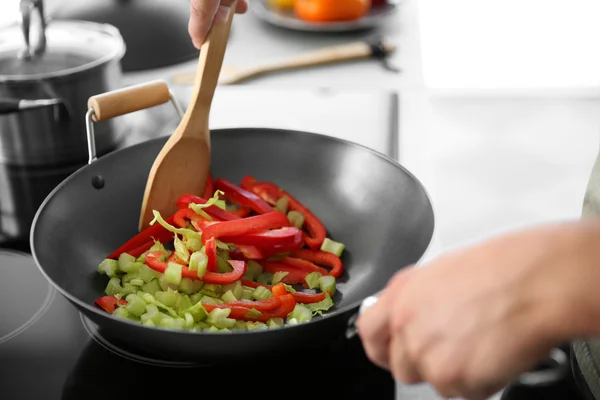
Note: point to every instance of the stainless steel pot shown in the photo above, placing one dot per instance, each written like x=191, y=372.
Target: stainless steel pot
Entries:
x=45, y=84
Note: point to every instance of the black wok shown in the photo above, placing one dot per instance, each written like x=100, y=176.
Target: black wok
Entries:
x=378, y=209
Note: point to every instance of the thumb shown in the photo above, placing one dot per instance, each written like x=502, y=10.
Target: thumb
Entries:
x=202, y=13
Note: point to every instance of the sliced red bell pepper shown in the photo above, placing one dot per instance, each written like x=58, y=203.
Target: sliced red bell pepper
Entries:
x=303, y=265
x=279, y=290
x=261, y=305
x=242, y=197
x=287, y=304
x=138, y=251
x=321, y=258
x=109, y=303
x=275, y=237
x=271, y=193
x=242, y=212
x=210, y=248
x=214, y=211
x=250, y=252
x=247, y=182
x=209, y=188
x=239, y=269
x=294, y=276
x=186, y=214
x=156, y=231
x=173, y=258
x=258, y=223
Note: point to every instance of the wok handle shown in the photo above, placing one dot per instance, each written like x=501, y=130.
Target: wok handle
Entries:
x=129, y=99
x=557, y=361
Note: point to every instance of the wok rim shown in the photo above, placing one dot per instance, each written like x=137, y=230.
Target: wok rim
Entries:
x=90, y=308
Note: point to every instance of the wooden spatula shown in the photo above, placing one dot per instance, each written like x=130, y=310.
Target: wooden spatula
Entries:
x=183, y=163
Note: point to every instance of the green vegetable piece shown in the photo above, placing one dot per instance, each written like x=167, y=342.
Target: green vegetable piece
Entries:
x=186, y=233
x=210, y=300
x=181, y=251
x=151, y=287
x=265, y=278
x=162, y=281
x=327, y=284
x=135, y=305
x=201, y=325
x=275, y=322
x=127, y=278
x=149, y=323
x=332, y=246
x=292, y=321
x=108, y=267
x=262, y=293
x=253, y=313
x=257, y=325
x=124, y=260
x=189, y=320
x=289, y=288
x=253, y=270
x=121, y=312
x=222, y=249
x=193, y=244
x=183, y=303
x=222, y=204
x=128, y=289
x=198, y=262
x=147, y=274
x=137, y=282
x=152, y=313
x=278, y=276
x=235, y=288
x=282, y=204
x=312, y=280
x=172, y=323
x=212, y=329
x=240, y=326
x=319, y=307
x=228, y=296
x=148, y=298
x=188, y=286
x=301, y=313
x=169, y=298
x=198, y=312
x=223, y=266
x=211, y=287
x=173, y=273
x=195, y=298
x=199, y=208
x=296, y=219
x=218, y=318
x=247, y=293
x=113, y=287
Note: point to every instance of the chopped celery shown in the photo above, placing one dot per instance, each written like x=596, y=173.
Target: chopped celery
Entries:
x=173, y=273
x=282, y=204
x=253, y=270
x=239, y=326
x=222, y=248
x=183, y=303
x=135, y=305
x=323, y=305
x=137, y=282
x=129, y=277
x=312, y=279
x=147, y=274
x=235, y=288
x=108, y=267
x=265, y=278
x=124, y=260
x=169, y=299
x=262, y=293
x=252, y=326
x=121, y=312
x=190, y=286
x=278, y=276
x=195, y=298
x=253, y=313
x=218, y=318
x=228, y=296
x=301, y=313
x=198, y=262
x=197, y=311
x=193, y=244
x=186, y=233
x=332, y=246
x=210, y=300
x=149, y=323
x=128, y=288
x=201, y=325
x=152, y=313
x=172, y=323
x=211, y=287
x=148, y=298
x=247, y=294
x=223, y=266
x=289, y=288
x=151, y=287
x=275, y=322
x=327, y=284
x=292, y=321
x=212, y=329
x=189, y=320
x=199, y=208
x=164, y=285
x=222, y=204
x=113, y=287
x=296, y=219
x=181, y=251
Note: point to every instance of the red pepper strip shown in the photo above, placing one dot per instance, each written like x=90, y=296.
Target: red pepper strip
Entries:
x=242, y=212
x=250, y=252
x=276, y=237
x=209, y=188
x=173, y=258
x=211, y=254
x=287, y=306
x=242, y=197
x=279, y=290
x=186, y=214
x=262, y=305
x=314, y=226
x=109, y=303
x=322, y=258
x=239, y=269
x=138, y=251
x=258, y=223
x=214, y=211
x=247, y=182
x=303, y=265
x=295, y=276
x=157, y=231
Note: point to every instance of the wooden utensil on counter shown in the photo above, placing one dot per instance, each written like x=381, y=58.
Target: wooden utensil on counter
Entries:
x=327, y=55
x=183, y=164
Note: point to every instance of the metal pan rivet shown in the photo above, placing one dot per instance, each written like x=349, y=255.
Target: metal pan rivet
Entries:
x=98, y=182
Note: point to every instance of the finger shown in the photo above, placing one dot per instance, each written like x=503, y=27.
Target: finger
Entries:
x=202, y=13
x=242, y=7
x=402, y=366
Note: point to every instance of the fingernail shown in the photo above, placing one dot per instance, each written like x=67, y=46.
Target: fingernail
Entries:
x=222, y=13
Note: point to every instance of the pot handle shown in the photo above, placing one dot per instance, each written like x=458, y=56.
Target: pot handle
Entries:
x=124, y=101
x=557, y=360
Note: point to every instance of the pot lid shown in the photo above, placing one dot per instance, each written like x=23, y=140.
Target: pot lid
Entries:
x=155, y=31
x=70, y=47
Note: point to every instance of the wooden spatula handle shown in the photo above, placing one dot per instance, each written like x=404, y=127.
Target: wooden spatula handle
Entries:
x=129, y=99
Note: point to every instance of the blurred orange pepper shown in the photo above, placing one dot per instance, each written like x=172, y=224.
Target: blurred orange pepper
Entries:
x=331, y=10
